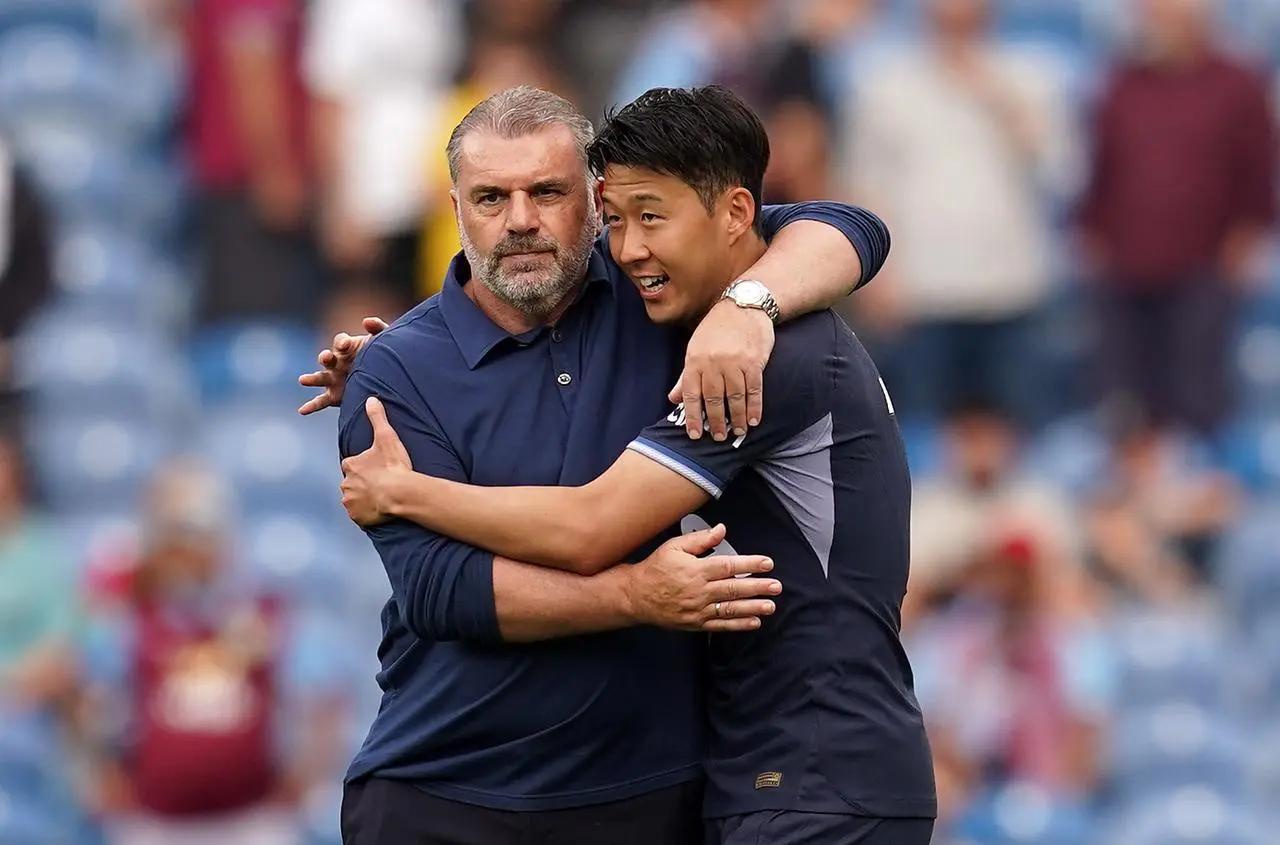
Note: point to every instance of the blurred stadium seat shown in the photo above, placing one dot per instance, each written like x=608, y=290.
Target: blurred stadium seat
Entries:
x=1191, y=816
x=274, y=457
x=254, y=361
x=1248, y=563
x=95, y=462
x=76, y=362
x=1170, y=656
x=1174, y=746
x=1021, y=814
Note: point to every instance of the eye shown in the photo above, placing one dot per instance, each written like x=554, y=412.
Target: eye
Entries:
x=649, y=217
x=612, y=220
x=491, y=198
x=548, y=192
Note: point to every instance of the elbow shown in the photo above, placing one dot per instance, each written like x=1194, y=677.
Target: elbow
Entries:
x=592, y=537
x=451, y=605
x=586, y=548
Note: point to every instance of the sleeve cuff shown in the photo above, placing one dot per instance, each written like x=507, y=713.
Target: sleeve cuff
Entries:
x=679, y=464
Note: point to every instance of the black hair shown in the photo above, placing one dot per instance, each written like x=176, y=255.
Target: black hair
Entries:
x=706, y=137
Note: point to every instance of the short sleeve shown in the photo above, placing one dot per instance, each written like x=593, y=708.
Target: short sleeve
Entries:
x=797, y=389
x=866, y=233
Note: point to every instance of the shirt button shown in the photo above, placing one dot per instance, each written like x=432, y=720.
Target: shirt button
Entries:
x=564, y=378
x=556, y=336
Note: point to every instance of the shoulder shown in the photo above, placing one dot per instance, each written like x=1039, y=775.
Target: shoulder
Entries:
x=808, y=337
x=421, y=334
x=392, y=363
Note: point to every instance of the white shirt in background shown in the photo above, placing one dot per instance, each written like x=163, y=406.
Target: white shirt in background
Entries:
x=968, y=209
x=390, y=63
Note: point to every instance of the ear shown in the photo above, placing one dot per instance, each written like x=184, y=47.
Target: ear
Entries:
x=740, y=208
x=453, y=200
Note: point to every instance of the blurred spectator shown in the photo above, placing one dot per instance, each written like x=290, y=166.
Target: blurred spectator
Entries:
x=1156, y=517
x=1181, y=195
x=981, y=485
x=960, y=142
x=247, y=133
x=213, y=714
x=37, y=597
x=508, y=48
x=1012, y=691
x=26, y=276
x=769, y=54
x=378, y=74
x=347, y=307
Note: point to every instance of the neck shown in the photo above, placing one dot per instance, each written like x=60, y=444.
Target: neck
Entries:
x=513, y=320
x=742, y=257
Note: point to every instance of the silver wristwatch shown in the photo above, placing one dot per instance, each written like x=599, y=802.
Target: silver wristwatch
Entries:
x=748, y=293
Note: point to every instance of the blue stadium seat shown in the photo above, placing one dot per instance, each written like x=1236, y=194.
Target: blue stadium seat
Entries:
x=95, y=463
x=89, y=181
x=1165, y=656
x=1174, y=746
x=78, y=17
x=47, y=66
x=1071, y=454
x=1251, y=451
x=1191, y=816
x=77, y=361
x=1248, y=563
x=300, y=557
x=255, y=361
x=111, y=273
x=1021, y=814
x=275, y=458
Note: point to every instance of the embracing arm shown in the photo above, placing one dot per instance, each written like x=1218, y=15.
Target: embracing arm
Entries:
x=822, y=252
x=582, y=529
x=662, y=476
x=449, y=590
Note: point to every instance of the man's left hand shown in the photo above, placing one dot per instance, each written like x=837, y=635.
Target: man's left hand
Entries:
x=369, y=477
x=724, y=370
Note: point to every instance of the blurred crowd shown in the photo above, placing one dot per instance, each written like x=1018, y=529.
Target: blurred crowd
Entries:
x=1079, y=326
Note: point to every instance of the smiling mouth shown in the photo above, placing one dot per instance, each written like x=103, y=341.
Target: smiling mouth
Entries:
x=652, y=284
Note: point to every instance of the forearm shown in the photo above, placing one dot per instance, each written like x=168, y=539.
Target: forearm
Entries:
x=258, y=97
x=327, y=116
x=541, y=525
x=809, y=266
x=535, y=603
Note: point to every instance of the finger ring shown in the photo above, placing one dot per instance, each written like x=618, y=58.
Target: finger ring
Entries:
x=717, y=610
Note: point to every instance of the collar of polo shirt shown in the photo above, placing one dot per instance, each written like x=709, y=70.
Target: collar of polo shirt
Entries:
x=473, y=331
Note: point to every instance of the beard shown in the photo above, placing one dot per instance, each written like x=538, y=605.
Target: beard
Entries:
x=534, y=284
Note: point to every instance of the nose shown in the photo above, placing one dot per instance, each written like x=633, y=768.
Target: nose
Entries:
x=522, y=214
x=631, y=247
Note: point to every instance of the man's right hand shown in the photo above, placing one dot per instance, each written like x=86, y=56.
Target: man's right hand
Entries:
x=337, y=361
x=675, y=588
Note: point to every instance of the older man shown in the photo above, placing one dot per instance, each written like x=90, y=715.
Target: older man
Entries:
x=521, y=702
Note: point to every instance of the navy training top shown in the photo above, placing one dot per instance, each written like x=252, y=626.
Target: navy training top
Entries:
x=561, y=723
x=816, y=711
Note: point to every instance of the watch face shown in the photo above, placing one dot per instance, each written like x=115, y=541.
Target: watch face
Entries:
x=750, y=292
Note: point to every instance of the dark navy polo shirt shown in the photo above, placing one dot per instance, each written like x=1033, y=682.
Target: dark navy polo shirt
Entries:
x=815, y=711
x=556, y=724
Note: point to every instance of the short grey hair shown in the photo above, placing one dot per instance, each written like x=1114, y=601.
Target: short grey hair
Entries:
x=517, y=112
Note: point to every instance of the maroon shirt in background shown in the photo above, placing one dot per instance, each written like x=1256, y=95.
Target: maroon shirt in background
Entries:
x=205, y=741
x=213, y=137
x=1182, y=155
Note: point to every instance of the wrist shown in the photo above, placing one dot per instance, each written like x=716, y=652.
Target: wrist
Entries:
x=619, y=592
x=397, y=492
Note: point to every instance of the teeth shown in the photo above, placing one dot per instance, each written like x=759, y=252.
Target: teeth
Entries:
x=653, y=282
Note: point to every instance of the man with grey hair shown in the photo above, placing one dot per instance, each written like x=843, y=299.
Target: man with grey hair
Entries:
x=524, y=702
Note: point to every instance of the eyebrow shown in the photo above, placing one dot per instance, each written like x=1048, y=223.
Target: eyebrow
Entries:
x=546, y=184
x=631, y=199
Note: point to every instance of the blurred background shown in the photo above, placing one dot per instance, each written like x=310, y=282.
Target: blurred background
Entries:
x=1079, y=326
